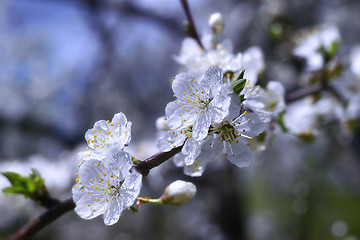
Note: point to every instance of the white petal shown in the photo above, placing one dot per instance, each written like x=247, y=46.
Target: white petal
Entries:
x=131, y=188
x=201, y=126
x=238, y=153
x=213, y=77
x=181, y=85
x=171, y=139
x=191, y=150
x=113, y=213
x=219, y=108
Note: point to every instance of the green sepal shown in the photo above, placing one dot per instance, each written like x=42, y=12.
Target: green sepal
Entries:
x=238, y=85
x=333, y=48
x=281, y=123
x=242, y=98
x=133, y=208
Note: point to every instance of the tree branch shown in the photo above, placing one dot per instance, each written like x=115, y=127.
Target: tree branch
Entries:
x=192, y=30
x=303, y=92
x=44, y=219
x=155, y=160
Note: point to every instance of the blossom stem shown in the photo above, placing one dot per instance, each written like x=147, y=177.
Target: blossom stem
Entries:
x=150, y=200
x=192, y=30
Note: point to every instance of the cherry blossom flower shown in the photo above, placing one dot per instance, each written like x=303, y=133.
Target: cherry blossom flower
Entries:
x=106, y=134
x=316, y=42
x=234, y=137
x=199, y=103
x=106, y=186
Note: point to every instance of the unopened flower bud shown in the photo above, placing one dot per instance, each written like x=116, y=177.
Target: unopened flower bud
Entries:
x=179, y=192
x=216, y=23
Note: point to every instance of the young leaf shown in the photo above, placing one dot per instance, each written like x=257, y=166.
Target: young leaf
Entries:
x=238, y=85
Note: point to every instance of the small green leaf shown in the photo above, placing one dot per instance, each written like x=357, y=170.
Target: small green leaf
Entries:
x=281, y=123
x=333, y=48
x=238, y=85
x=241, y=75
x=11, y=176
x=30, y=186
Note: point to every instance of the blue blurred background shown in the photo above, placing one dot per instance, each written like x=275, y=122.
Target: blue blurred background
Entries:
x=66, y=64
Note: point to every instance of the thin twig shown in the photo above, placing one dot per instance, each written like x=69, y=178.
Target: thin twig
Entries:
x=303, y=92
x=192, y=30
x=44, y=219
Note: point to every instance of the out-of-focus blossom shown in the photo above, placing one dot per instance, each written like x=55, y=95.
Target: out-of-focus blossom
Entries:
x=216, y=23
x=313, y=44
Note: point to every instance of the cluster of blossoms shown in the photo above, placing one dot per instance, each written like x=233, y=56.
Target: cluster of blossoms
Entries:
x=218, y=110
x=106, y=181
x=318, y=47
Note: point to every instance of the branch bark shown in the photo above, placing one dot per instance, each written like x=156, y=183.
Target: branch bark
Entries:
x=192, y=31
x=43, y=220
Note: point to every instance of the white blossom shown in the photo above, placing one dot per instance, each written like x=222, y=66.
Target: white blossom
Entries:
x=196, y=60
x=269, y=101
x=106, y=134
x=216, y=23
x=234, y=137
x=310, y=43
x=106, y=186
x=199, y=103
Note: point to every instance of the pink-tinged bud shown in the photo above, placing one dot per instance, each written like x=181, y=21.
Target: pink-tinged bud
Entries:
x=216, y=23
x=179, y=192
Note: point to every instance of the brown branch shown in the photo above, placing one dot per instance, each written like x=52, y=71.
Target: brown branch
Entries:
x=155, y=160
x=44, y=219
x=192, y=30
x=303, y=92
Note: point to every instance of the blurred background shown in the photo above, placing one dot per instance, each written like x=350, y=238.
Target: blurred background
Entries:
x=65, y=64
